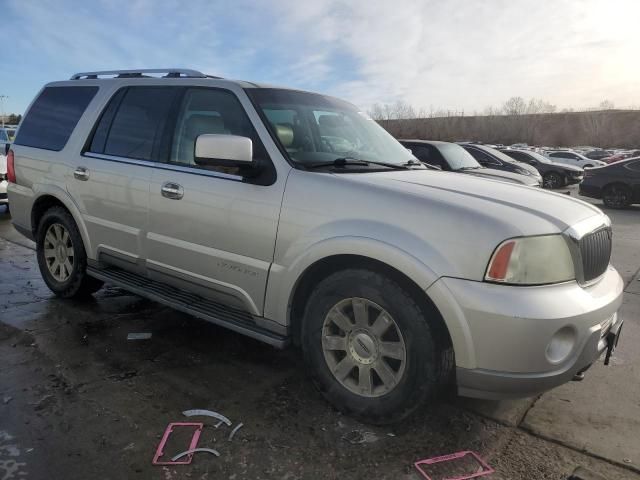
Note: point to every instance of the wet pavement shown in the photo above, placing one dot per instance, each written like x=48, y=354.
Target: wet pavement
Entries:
x=78, y=400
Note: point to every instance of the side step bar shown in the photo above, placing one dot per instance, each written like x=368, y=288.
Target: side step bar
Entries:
x=237, y=320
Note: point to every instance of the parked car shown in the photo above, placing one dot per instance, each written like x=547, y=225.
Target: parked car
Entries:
x=452, y=157
x=292, y=217
x=598, y=154
x=3, y=180
x=618, y=184
x=6, y=137
x=492, y=158
x=573, y=158
x=554, y=175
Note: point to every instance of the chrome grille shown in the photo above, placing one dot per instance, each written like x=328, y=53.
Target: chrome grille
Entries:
x=595, y=252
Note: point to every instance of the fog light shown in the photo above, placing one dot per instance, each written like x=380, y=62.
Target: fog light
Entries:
x=561, y=345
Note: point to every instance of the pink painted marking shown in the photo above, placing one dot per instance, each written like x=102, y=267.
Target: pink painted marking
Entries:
x=486, y=469
x=165, y=437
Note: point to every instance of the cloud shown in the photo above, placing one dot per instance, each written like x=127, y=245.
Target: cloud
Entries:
x=456, y=54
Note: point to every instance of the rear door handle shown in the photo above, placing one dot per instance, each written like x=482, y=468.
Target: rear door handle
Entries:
x=81, y=173
x=172, y=190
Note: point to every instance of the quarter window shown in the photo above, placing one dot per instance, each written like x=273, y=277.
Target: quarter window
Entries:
x=53, y=117
x=635, y=166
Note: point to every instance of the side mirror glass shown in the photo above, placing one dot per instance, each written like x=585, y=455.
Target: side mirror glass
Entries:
x=223, y=150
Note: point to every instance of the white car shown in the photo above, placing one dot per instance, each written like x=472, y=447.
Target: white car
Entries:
x=574, y=158
x=3, y=180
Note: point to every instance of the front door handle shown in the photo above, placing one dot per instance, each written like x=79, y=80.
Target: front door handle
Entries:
x=81, y=173
x=172, y=190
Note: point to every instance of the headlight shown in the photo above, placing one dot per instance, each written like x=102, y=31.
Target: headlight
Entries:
x=531, y=261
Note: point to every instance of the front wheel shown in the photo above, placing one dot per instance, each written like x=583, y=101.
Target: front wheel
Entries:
x=61, y=255
x=372, y=350
x=552, y=180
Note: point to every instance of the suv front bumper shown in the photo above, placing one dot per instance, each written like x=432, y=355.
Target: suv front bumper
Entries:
x=520, y=341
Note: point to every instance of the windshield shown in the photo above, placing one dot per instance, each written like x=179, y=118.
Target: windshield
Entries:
x=314, y=129
x=540, y=158
x=457, y=157
x=497, y=153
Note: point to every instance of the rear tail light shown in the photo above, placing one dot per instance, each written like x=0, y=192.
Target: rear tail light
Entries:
x=11, y=169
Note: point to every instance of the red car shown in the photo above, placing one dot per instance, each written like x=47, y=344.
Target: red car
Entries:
x=621, y=156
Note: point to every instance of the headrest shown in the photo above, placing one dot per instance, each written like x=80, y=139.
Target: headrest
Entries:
x=331, y=120
x=285, y=134
x=199, y=124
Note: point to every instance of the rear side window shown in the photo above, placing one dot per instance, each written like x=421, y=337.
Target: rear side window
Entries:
x=53, y=117
x=133, y=124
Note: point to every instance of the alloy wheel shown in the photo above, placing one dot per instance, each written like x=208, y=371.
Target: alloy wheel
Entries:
x=363, y=347
x=58, y=252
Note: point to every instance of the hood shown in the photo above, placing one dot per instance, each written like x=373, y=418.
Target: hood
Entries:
x=504, y=176
x=564, y=166
x=517, y=209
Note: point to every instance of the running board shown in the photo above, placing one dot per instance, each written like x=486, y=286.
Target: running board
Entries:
x=237, y=320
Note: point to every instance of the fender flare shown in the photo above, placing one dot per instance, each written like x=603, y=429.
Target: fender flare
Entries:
x=283, y=280
x=42, y=190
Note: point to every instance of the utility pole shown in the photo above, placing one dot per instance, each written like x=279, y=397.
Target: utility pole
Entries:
x=2, y=99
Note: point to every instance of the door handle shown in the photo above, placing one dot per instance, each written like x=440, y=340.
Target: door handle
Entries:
x=81, y=173
x=172, y=190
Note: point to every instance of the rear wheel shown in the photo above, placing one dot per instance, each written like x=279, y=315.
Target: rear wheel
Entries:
x=616, y=196
x=372, y=350
x=553, y=180
x=61, y=255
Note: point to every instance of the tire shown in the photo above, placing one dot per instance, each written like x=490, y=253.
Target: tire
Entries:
x=69, y=279
x=423, y=372
x=552, y=180
x=616, y=196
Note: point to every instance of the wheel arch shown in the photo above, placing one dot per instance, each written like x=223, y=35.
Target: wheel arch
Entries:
x=326, y=266
x=48, y=199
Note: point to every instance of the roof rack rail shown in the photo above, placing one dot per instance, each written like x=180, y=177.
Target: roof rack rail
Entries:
x=141, y=73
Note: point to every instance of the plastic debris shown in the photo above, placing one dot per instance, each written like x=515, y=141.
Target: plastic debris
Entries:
x=194, y=441
x=195, y=450
x=233, y=432
x=207, y=413
x=451, y=466
x=139, y=336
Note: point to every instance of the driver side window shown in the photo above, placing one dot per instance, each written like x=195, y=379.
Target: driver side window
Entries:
x=210, y=111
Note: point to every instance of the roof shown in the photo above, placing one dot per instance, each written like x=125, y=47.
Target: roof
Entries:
x=429, y=142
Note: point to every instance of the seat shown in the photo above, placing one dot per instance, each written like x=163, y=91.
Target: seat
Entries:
x=198, y=124
x=284, y=132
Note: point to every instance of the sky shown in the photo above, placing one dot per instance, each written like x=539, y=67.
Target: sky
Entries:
x=462, y=55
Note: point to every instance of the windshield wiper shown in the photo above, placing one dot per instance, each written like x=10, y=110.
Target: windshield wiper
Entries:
x=468, y=168
x=344, y=161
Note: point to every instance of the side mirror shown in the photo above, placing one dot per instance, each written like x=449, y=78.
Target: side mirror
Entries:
x=223, y=150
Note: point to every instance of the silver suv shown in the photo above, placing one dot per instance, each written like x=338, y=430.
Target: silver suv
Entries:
x=292, y=217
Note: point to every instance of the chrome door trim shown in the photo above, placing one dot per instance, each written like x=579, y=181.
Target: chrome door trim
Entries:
x=164, y=166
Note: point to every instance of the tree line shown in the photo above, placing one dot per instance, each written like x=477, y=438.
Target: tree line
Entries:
x=533, y=121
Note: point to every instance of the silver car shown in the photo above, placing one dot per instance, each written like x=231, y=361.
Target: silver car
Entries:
x=292, y=217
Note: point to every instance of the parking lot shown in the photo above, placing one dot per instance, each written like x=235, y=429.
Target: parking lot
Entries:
x=79, y=400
